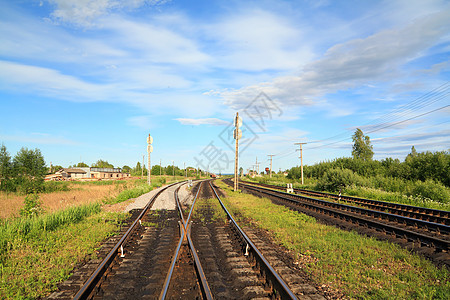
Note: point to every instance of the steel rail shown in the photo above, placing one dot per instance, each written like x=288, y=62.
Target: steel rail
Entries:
x=440, y=228
x=278, y=284
x=422, y=213
x=185, y=234
x=204, y=286
x=415, y=236
x=89, y=285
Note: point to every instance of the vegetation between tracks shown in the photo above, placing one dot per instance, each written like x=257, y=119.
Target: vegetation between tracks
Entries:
x=347, y=262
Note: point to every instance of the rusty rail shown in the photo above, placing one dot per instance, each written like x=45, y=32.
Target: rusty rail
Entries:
x=89, y=285
x=185, y=234
x=340, y=211
x=281, y=289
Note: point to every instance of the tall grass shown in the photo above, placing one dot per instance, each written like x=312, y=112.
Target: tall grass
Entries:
x=14, y=232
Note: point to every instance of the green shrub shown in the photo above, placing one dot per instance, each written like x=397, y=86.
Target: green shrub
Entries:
x=431, y=190
x=32, y=206
x=335, y=179
x=56, y=186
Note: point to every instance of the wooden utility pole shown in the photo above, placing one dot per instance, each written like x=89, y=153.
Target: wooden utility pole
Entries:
x=142, y=168
x=271, y=155
x=160, y=168
x=301, y=156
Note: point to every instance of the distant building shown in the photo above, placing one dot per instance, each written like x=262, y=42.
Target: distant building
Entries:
x=87, y=173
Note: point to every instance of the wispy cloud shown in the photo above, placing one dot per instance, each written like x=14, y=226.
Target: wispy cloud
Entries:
x=85, y=12
x=356, y=62
x=206, y=121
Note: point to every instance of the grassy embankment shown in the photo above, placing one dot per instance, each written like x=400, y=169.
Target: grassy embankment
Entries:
x=38, y=252
x=359, y=267
x=389, y=194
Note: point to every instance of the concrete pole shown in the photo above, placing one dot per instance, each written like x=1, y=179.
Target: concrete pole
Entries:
x=149, y=180
x=271, y=155
x=301, y=157
x=236, y=155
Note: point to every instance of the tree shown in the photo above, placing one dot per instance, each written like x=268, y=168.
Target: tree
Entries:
x=55, y=168
x=126, y=169
x=82, y=165
x=102, y=164
x=156, y=170
x=241, y=171
x=362, y=148
x=30, y=170
x=5, y=168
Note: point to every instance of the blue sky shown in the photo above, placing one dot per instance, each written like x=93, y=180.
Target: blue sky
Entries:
x=85, y=80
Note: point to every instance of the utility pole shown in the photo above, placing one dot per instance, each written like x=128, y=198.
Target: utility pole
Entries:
x=149, y=150
x=142, y=168
x=257, y=166
x=160, y=167
x=173, y=168
x=301, y=156
x=237, y=136
x=271, y=155
x=185, y=170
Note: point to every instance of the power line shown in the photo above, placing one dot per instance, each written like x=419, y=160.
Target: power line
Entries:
x=427, y=99
x=393, y=124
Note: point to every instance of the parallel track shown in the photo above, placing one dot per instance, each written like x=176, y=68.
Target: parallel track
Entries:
x=414, y=212
x=430, y=238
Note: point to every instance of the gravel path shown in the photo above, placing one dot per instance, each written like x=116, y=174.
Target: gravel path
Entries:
x=164, y=201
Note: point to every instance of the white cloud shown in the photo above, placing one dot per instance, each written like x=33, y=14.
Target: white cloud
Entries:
x=86, y=12
x=257, y=40
x=346, y=65
x=205, y=121
x=154, y=43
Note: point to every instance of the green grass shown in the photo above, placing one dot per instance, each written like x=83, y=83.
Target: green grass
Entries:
x=140, y=187
x=359, y=267
x=219, y=214
x=39, y=252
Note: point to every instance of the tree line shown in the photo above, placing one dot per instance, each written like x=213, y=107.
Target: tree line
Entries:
x=25, y=172
x=425, y=173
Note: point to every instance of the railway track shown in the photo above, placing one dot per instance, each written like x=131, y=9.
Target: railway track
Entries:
x=432, y=239
x=176, y=254
x=415, y=212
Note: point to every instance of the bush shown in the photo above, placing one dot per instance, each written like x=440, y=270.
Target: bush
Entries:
x=55, y=186
x=431, y=190
x=335, y=179
x=32, y=206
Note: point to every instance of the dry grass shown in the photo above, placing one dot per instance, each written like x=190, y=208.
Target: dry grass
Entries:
x=11, y=204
